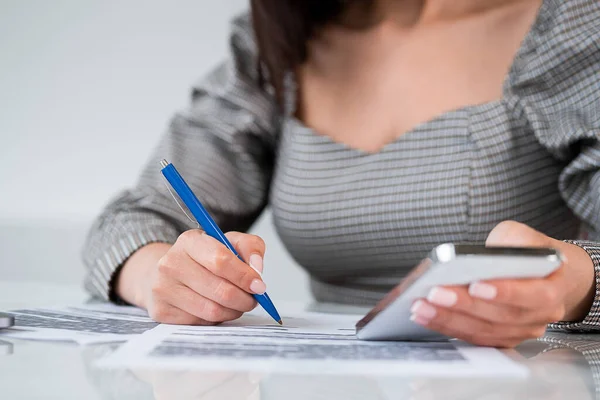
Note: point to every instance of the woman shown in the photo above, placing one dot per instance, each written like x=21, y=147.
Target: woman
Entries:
x=376, y=130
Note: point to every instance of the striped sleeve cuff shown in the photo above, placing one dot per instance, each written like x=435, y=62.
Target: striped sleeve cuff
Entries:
x=592, y=321
x=102, y=276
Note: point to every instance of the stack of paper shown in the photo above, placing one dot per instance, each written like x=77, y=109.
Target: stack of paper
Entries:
x=84, y=324
x=306, y=343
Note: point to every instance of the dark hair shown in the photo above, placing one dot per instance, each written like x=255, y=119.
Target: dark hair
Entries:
x=284, y=27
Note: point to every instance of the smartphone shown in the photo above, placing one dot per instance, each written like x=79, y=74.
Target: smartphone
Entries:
x=6, y=321
x=447, y=265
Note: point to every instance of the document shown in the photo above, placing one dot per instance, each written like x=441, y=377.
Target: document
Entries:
x=84, y=324
x=306, y=343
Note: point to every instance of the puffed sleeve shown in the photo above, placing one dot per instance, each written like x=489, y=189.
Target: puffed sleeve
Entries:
x=223, y=144
x=559, y=88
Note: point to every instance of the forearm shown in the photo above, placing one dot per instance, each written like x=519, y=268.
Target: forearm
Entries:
x=130, y=284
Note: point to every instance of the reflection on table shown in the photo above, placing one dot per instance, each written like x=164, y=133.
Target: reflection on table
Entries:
x=562, y=366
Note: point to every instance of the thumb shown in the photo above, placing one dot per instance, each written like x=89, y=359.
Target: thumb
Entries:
x=250, y=247
x=516, y=234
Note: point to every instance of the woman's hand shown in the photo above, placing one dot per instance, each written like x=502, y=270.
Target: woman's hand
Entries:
x=503, y=313
x=195, y=281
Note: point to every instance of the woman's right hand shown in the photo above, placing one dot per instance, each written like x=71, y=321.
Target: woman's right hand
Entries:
x=196, y=281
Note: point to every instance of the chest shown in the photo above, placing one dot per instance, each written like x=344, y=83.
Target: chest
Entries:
x=365, y=89
x=341, y=211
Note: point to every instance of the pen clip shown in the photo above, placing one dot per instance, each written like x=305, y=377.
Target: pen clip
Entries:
x=193, y=221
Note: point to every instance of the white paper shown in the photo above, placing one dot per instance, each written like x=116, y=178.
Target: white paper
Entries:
x=84, y=324
x=307, y=343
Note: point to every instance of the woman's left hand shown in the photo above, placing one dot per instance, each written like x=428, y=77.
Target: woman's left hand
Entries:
x=504, y=313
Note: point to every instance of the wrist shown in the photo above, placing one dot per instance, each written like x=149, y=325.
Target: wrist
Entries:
x=133, y=280
x=580, y=282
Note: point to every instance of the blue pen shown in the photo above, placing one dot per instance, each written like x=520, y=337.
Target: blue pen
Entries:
x=209, y=225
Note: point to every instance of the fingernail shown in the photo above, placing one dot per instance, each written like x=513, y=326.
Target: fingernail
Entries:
x=257, y=286
x=256, y=262
x=419, y=320
x=423, y=310
x=483, y=290
x=442, y=297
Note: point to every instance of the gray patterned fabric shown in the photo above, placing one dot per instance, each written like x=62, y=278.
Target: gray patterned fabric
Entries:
x=358, y=222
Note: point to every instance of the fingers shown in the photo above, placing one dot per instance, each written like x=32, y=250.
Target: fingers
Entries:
x=499, y=313
x=166, y=313
x=530, y=294
x=535, y=303
x=250, y=247
x=175, y=303
x=577, y=289
x=205, y=309
x=219, y=260
x=200, y=280
x=472, y=329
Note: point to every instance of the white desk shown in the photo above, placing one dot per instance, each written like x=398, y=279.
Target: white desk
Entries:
x=562, y=366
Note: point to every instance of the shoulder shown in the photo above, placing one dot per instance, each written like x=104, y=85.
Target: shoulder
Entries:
x=242, y=23
x=573, y=36
x=563, y=46
x=242, y=33
x=242, y=45
x=556, y=77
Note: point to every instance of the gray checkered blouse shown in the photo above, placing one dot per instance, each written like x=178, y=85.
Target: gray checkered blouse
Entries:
x=356, y=221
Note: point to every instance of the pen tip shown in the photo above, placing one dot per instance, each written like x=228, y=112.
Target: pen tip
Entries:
x=280, y=322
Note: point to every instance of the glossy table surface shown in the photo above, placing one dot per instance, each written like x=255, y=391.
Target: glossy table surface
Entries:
x=562, y=366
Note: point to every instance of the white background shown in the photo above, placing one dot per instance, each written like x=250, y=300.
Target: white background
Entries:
x=86, y=89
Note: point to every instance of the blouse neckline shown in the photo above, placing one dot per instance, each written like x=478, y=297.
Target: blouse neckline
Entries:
x=528, y=46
